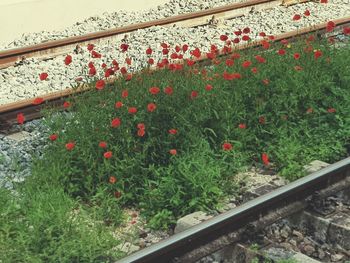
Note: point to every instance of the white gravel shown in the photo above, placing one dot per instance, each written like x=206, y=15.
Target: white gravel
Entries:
x=23, y=81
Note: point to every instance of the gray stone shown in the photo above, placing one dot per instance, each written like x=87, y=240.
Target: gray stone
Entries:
x=315, y=166
x=308, y=249
x=128, y=248
x=190, y=220
x=337, y=257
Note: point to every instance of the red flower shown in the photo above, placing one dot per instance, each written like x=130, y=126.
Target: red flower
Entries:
x=184, y=48
x=281, y=52
x=265, y=44
x=102, y=144
x=208, y=87
x=238, y=33
x=151, y=61
x=173, y=56
x=90, y=47
x=194, y=94
x=296, y=55
x=164, y=45
x=151, y=107
x=124, y=47
x=272, y=37
x=307, y=12
x=317, y=54
x=245, y=38
x=236, y=40
x=330, y=26
x=190, y=62
x=128, y=61
x=108, y=155
x=346, y=30
x=254, y=70
x=173, y=151
x=37, y=101
x=117, y=194
x=154, y=90
x=260, y=59
x=100, y=84
x=149, y=51
x=324, y=1
x=132, y=110
x=262, y=120
x=262, y=34
x=231, y=76
x=66, y=104
x=115, y=122
x=265, y=159
x=68, y=60
x=95, y=54
x=229, y=62
x=246, y=64
x=223, y=37
x=128, y=77
x=196, y=52
x=168, y=90
x=172, y=131
x=125, y=93
x=141, y=126
x=246, y=30
x=43, y=76
x=331, y=110
x=92, y=71
x=141, y=132
x=296, y=17
x=165, y=51
x=112, y=180
x=70, y=146
x=227, y=146
x=242, y=126
x=284, y=41
x=118, y=104
x=20, y=118
x=53, y=137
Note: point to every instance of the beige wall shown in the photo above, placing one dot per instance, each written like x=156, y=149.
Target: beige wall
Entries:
x=23, y=16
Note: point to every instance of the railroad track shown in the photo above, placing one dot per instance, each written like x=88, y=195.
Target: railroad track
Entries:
x=8, y=112
x=58, y=47
x=233, y=226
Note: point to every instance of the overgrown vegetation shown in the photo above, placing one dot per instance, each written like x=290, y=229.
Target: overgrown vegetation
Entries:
x=170, y=142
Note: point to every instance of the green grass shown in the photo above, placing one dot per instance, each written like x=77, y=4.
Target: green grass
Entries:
x=279, y=123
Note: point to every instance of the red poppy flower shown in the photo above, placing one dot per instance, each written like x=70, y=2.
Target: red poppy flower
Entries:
x=272, y=37
x=324, y=1
x=231, y=76
x=262, y=34
x=194, y=94
x=346, y=30
x=68, y=60
x=262, y=120
x=284, y=41
x=242, y=126
x=331, y=110
x=246, y=64
x=265, y=44
x=296, y=55
x=184, y=48
x=317, y=54
x=125, y=93
x=227, y=146
x=100, y=84
x=70, y=146
x=95, y=54
x=115, y=63
x=115, y=122
x=112, y=180
x=229, y=62
x=190, y=62
x=208, y=87
x=43, y=76
x=260, y=59
x=173, y=56
x=124, y=47
x=246, y=30
x=296, y=17
x=307, y=12
x=330, y=26
x=90, y=47
x=37, y=101
x=151, y=61
x=20, y=118
x=281, y=52
x=165, y=51
x=141, y=132
x=172, y=131
x=173, y=151
x=132, y=110
x=108, y=155
x=254, y=70
x=102, y=144
x=196, y=52
x=246, y=38
x=151, y=107
x=223, y=37
x=235, y=56
x=154, y=90
x=141, y=126
x=128, y=77
x=92, y=71
x=66, y=104
x=168, y=90
x=211, y=55
x=149, y=51
x=117, y=194
x=128, y=61
x=53, y=137
x=265, y=159
x=118, y=104
x=236, y=40
x=238, y=33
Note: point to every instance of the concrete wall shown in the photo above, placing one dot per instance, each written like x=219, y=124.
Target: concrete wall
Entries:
x=23, y=16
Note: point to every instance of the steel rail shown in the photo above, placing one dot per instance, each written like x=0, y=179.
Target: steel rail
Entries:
x=8, y=112
x=66, y=45
x=174, y=247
